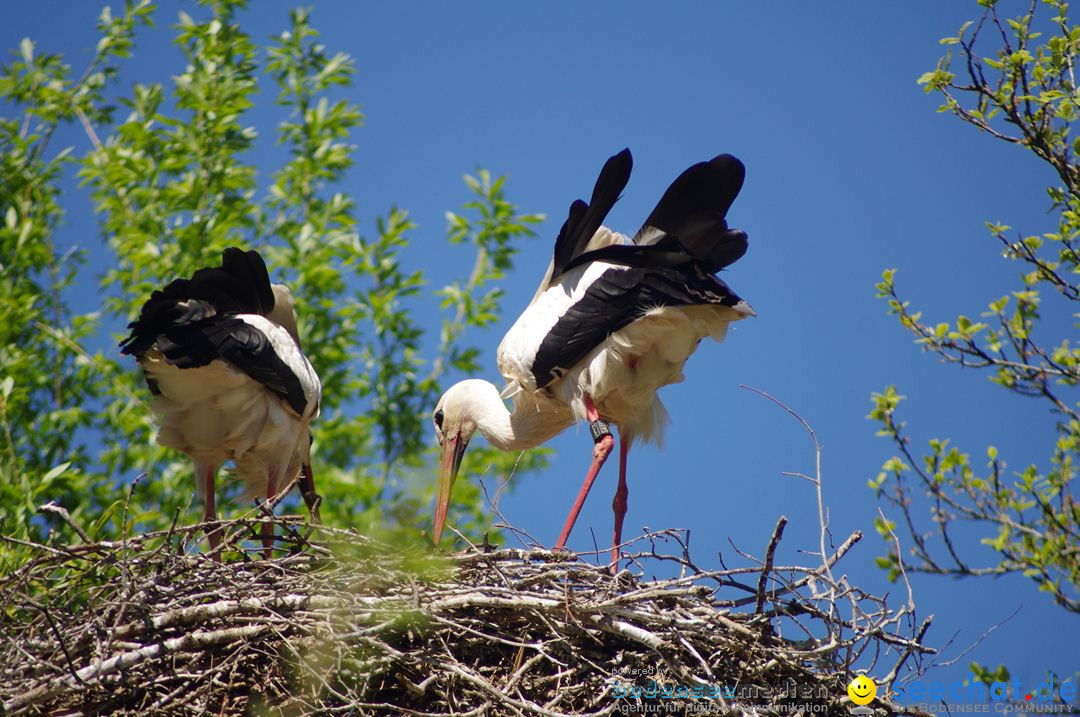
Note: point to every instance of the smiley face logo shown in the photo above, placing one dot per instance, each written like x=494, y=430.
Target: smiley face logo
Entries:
x=861, y=690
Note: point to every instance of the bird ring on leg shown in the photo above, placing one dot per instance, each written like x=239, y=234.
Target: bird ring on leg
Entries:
x=599, y=429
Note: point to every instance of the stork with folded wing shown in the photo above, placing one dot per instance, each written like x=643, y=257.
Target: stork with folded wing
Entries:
x=221, y=355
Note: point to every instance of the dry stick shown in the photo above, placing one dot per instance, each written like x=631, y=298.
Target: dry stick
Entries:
x=126, y=660
x=125, y=566
x=59, y=641
x=503, y=522
x=822, y=521
x=52, y=507
x=263, y=511
x=982, y=637
x=124, y=516
x=894, y=673
x=502, y=485
x=778, y=532
x=676, y=618
x=852, y=539
x=899, y=560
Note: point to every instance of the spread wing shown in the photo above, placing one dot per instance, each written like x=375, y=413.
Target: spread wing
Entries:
x=619, y=296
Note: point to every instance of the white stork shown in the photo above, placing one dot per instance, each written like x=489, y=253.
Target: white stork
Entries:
x=613, y=321
x=221, y=355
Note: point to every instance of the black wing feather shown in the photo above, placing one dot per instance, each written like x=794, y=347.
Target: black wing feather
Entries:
x=704, y=188
x=249, y=271
x=244, y=346
x=673, y=266
x=617, y=298
x=694, y=209
x=670, y=251
x=241, y=285
x=584, y=219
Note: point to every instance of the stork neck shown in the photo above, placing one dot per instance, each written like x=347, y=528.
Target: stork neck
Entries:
x=526, y=427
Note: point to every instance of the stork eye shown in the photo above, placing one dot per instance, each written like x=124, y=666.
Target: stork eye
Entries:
x=438, y=419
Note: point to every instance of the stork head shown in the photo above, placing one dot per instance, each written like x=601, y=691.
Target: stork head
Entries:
x=456, y=418
x=284, y=313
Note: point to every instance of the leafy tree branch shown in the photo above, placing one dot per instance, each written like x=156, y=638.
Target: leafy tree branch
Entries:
x=1012, y=78
x=174, y=180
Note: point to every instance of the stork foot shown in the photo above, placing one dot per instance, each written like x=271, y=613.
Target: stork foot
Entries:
x=268, y=538
x=313, y=501
x=619, y=507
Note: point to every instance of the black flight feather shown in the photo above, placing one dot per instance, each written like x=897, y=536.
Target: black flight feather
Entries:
x=193, y=322
x=584, y=219
x=248, y=269
x=241, y=285
x=617, y=298
x=704, y=188
x=670, y=251
x=688, y=225
x=244, y=346
x=672, y=261
x=694, y=209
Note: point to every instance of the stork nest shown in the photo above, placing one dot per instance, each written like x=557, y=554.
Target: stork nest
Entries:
x=346, y=624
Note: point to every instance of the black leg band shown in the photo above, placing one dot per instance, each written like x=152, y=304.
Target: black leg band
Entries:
x=599, y=429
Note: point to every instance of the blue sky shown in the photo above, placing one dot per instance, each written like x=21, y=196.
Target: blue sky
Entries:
x=849, y=170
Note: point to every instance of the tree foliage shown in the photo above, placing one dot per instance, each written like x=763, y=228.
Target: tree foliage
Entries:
x=1013, y=79
x=171, y=171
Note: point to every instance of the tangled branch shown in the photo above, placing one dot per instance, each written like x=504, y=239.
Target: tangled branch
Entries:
x=349, y=624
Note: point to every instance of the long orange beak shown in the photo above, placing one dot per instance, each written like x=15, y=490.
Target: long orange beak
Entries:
x=453, y=450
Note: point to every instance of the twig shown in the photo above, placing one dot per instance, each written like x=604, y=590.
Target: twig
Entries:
x=778, y=532
x=381, y=629
x=53, y=508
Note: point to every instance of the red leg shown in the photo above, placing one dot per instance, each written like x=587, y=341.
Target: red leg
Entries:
x=619, y=504
x=206, y=474
x=268, y=527
x=600, y=453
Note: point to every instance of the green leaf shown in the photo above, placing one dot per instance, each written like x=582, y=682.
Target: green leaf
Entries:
x=55, y=472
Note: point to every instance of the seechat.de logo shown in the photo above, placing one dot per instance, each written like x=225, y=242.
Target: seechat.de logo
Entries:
x=973, y=690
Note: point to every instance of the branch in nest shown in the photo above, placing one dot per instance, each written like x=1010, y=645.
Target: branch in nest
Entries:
x=354, y=625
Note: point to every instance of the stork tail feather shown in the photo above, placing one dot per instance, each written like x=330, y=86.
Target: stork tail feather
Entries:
x=584, y=219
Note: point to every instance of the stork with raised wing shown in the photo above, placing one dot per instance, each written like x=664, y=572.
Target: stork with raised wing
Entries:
x=221, y=354
x=613, y=321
